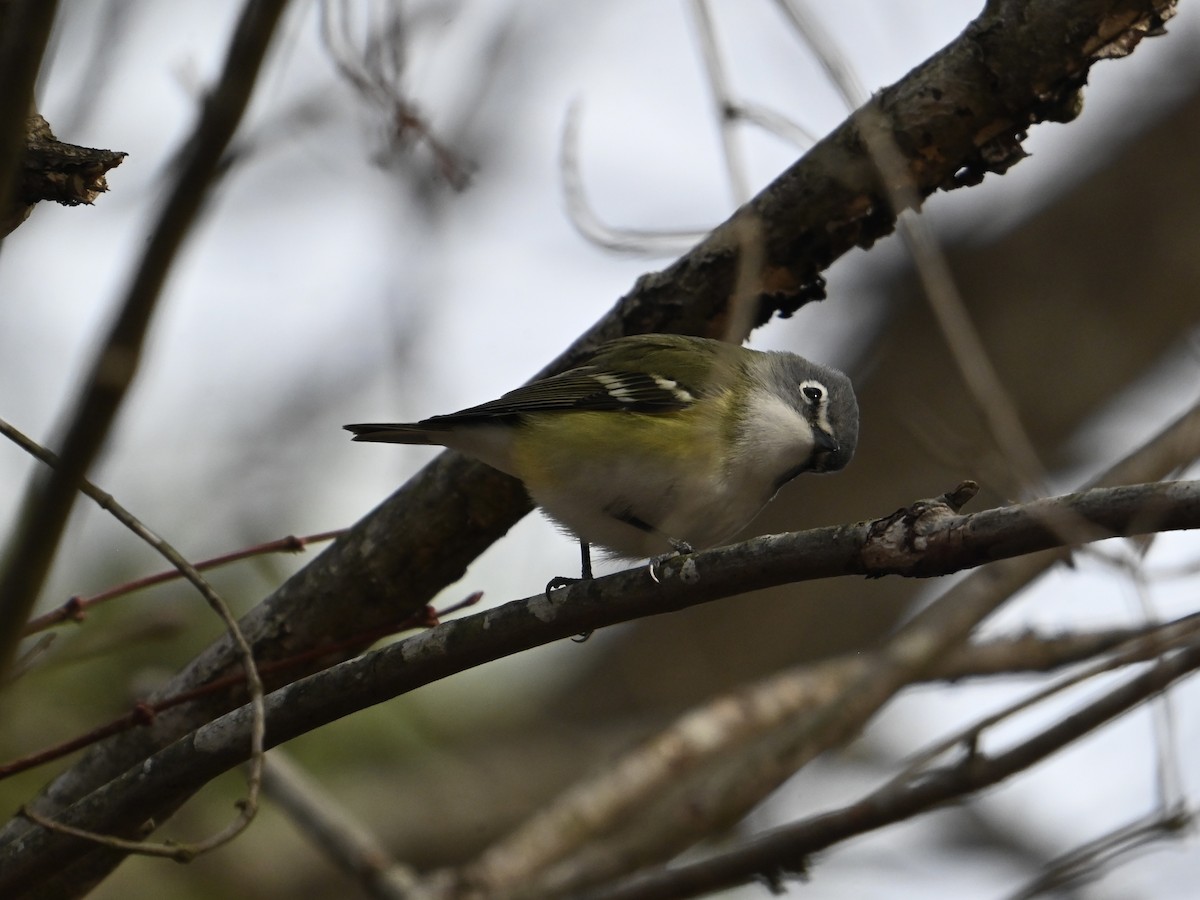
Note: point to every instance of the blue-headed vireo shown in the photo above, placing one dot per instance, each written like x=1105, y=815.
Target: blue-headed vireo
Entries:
x=656, y=442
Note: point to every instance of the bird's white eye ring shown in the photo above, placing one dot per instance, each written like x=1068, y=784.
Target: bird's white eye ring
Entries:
x=813, y=393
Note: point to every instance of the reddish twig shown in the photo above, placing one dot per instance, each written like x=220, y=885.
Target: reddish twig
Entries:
x=76, y=607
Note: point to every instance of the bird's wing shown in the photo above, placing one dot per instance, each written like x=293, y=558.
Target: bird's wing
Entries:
x=585, y=388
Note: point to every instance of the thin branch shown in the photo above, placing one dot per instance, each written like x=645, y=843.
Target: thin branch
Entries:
x=723, y=103
x=585, y=219
x=992, y=398
x=659, y=242
x=333, y=830
x=75, y=609
x=837, y=67
x=776, y=123
x=48, y=500
x=1084, y=863
x=376, y=72
x=1155, y=642
x=1169, y=780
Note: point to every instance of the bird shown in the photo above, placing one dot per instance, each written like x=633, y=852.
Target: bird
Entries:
x=655, y=444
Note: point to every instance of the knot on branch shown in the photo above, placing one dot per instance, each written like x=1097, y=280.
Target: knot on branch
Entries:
x=51, y=170
x=64, y=173
x=1117, y=34
x=900, y=544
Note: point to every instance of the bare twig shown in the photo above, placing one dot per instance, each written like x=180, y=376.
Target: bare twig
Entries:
x=723, y=103
x=76, y=607
x=1169, y=779
x=589, y=224
x=333, y=830
x=729, y=111
x=991, y=397
x=776, y=123
x=1086, y=862
x=837, y=67
x=647, y=241
x=1156, y=641
x=376, y=72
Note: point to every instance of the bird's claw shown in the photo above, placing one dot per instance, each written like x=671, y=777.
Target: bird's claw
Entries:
x=678, y=548
x=561, y=581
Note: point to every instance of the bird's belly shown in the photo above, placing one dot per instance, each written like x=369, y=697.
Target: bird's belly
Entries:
x=641, y=520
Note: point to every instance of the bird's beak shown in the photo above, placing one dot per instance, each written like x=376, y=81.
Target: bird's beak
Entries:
x=823, y=442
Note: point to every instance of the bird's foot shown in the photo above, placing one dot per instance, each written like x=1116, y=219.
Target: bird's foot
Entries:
x=585, y=570
x=562, y=581
x=678, y=548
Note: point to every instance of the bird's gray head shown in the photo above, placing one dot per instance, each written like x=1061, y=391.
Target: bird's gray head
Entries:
x=825, y=398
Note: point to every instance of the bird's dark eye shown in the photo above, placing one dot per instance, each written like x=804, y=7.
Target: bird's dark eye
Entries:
x=812, y=393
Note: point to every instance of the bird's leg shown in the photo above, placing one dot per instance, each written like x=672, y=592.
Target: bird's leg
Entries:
x=585, y=570
x=585, y=560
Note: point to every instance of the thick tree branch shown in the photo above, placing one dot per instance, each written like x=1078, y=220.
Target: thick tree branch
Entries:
x=24, y=30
